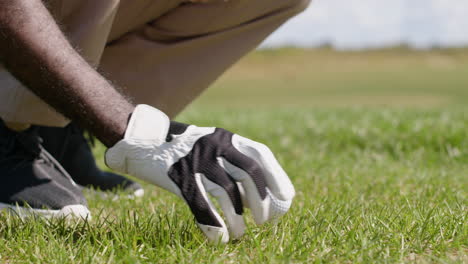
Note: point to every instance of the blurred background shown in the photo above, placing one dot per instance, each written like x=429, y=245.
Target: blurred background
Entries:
x=361, y=24
x=399, y=53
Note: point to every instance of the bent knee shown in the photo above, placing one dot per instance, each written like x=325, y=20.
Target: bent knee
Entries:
x=290, y=7
x=73, y=9
x=300, y=5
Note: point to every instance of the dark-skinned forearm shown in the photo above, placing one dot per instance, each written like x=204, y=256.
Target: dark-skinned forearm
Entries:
x=37, y=53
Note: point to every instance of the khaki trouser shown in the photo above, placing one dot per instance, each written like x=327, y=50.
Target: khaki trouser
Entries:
x=160, y=52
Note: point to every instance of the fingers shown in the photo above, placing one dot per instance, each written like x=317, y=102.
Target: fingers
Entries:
x=219, y=184
x=258, y=205
x=263, y=209
x=235, y=221
x=268, y=190
x=208, y=219
x=276, y=178
x=192, y=190
x=218, y=176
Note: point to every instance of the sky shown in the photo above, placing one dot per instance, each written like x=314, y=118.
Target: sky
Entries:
x=359, y=24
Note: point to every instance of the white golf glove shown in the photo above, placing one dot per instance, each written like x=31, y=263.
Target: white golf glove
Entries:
x=193, y=162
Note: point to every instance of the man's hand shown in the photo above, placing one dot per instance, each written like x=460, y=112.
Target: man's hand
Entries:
x=193, y=162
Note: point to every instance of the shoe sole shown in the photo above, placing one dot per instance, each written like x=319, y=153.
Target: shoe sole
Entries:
x=70, y=211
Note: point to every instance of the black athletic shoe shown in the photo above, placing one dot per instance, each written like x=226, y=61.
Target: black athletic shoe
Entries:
x=32, y=181
x=71, y=149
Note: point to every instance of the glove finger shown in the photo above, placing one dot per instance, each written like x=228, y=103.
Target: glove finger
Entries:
x=193, y=192
x=214, y=229
x=218, y=175
x=256, y=200
x=260, y=166
x=276, y=178
x=235, y=221
x=245, y=202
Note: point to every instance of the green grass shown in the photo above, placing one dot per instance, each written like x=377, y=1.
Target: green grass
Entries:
x=321, y=78
x=378, y=181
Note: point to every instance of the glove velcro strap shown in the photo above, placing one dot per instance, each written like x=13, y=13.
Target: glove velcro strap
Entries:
x=146, y=124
